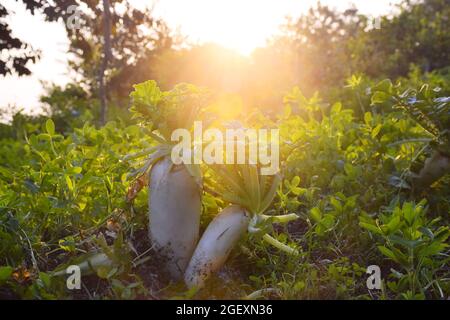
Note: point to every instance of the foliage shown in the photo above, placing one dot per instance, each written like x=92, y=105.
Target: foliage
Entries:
x=416, y=244
x=353, y=145
x=425, y=105
x=166, y=111
x=63, y=197
x=53, y=203
x=18, y=53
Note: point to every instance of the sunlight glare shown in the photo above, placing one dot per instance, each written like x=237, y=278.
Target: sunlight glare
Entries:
x=234, y=24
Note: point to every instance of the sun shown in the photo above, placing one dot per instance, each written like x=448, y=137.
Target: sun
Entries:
x=242, y=25
x=238, y=25
x=235, y=24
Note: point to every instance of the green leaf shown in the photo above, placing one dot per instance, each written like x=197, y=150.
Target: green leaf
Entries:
x=371, y=227
x=427, y=232
x=255, y=187
x=336, y=108
x=328, y=221
x=336, y=204
x=432, y=249
x=31, y=186
x=394, y=224
x=45, y=278
x=5, y=273
x=379, y=97
x=298, y=191
x=50, y=127
x=147, y=93
x=103, y=271
x=268, y=197
x=442, y=234
x=410, y=244
x=368, y=118
x=376, y=131
x=287, y=184
x=408, y=212
x=76, y=170
x=295, y=181
x=69, y=183
x=388, y=253
x=384, y=86
x=316, y=214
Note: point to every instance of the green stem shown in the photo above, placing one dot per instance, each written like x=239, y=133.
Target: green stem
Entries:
x=139, y=154
x=157, y=138
x=261, y=293
x=277, y=244
x=405, y=141
x=285, y=218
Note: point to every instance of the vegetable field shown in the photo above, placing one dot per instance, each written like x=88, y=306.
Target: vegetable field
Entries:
x=315, y=167
x=352, y=192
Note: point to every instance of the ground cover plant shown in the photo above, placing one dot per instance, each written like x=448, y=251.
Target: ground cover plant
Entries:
x=339, y=189
x=345, y=199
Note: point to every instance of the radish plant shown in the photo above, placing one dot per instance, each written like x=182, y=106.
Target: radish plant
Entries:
x=250, y=194
x=174, y=190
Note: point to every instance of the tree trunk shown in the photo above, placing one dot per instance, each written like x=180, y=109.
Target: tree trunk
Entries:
x=106, y=58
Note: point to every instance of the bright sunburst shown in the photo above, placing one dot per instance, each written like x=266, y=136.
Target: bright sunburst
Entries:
x=242, y=25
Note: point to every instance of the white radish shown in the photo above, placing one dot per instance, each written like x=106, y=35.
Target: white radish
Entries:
x=251, y=194
x=216, y=243
x=92, y=263
x=174, y=214
x=96, y=261
x=174, y=190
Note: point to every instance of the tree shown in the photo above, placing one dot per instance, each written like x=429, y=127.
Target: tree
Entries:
x=113, y=47
x=316, y=47
x=106, y=57
x=112, y=43
x=417, y=35
x=17, y=53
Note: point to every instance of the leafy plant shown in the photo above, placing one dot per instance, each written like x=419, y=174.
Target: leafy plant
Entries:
x=431, y=112
x=250, y=194
x=174, y=190
x=415, y=244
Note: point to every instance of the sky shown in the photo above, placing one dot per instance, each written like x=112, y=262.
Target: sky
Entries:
x=241, y=25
